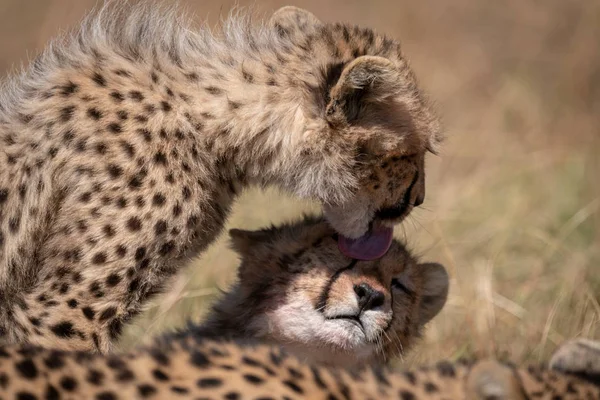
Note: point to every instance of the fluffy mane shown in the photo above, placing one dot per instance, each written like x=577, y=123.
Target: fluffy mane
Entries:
x=144, y=31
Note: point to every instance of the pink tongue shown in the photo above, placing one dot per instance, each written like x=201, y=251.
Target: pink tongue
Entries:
x=372, y=245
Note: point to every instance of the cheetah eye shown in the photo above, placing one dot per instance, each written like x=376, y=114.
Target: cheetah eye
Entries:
x=397, y=284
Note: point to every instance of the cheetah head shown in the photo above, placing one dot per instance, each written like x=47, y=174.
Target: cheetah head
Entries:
x=302, y=293
x=369, y=118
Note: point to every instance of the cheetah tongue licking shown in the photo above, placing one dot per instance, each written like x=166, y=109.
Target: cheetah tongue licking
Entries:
x=371, y=246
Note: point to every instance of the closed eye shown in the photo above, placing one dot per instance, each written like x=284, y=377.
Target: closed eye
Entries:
x=396, y=284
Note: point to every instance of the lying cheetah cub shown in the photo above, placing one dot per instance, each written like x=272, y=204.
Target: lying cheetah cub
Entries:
x=297, y=290
x=124, y=144
x=190, y=367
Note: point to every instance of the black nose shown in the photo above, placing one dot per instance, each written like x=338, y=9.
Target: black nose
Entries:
x=368, y=298
x=420, y=199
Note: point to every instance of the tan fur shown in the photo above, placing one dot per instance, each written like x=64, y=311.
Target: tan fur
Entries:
x=123, y=145
x=193, y=368
x=296, y=289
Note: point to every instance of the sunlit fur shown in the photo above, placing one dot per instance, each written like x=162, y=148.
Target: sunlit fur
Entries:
x=125, y=142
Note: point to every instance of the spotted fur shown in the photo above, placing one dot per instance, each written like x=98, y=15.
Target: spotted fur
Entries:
x=123, y=145
x=297, y=290
x=194, y=368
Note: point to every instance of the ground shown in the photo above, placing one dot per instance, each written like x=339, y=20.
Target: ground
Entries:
x=513, y=205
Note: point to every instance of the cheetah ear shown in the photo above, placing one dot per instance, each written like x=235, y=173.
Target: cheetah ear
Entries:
x=435, y=290
x=289, y=20
x=367, y=79
x=243, y=241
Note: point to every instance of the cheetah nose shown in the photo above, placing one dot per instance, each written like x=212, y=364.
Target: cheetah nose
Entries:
x=420, y=199
x=368, y=298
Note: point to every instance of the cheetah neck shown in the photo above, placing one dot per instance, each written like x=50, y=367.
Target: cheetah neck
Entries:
x=257, y=112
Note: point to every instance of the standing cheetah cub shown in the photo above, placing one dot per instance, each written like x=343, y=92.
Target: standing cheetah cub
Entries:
x=124, y=144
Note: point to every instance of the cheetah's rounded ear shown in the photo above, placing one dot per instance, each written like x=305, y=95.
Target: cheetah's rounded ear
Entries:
x=435, y=290
x=289, y=20
x=365, y=79
x=242, y=241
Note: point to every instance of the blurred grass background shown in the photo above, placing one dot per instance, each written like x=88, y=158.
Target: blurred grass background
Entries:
x=513, y=203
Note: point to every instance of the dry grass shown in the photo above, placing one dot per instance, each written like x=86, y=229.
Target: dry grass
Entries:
x=513, y=208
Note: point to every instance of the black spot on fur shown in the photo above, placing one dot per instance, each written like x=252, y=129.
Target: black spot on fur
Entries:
x=66, y=113
x=430, y=387
x=253, y=379
x=158, y=199
x=89, y=313
x=128, y=148
x=406, y=395
x=3, y=195
x=446, y=369
x=214, y=90
x=135, y=182
x=294, y=386
x=121, y=202
x=99, y=258
x=166, y=107
x=199, y=359
x=179, y=390
x=68, y=383
x=134, y=285
x=106, y=396
x=68, y=89
x=160, y=357
x=160, y=375
x=63, y=329
x=99, y=79
x=107, y=314
x=108, y=230
x=13, y=224
x=115, y=328
x=113, y=280
x=134, y=224
x=27, y=369
x=166, y=248
x=101, y=148
x=136, y=95
x=125, y=376
x=95, y=377
x=52, y=393
x=115, y=128
x=145, y=134
x=26, y=396
x=412, y=379
x=54, y=360
x=85, y=197
x=146, y=390
x=117, y=97
x=160, y=158
x=140, y=253
x=206, y=383
x=121, y=251
x=248, y=77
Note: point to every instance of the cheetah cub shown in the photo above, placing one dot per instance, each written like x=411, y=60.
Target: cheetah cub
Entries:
x=296, y=289
x=191, y=367
x=124, y=144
